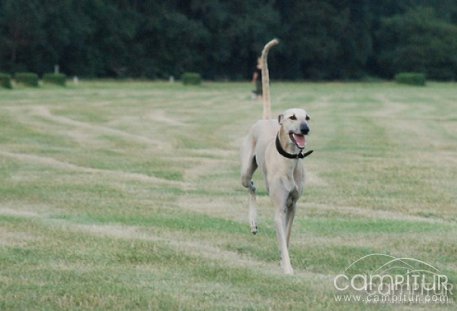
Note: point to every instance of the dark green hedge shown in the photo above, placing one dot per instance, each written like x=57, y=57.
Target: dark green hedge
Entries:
x=5, y=81
x=191, y=78
x=55, y=78
x=411, y=78
x=27, y=78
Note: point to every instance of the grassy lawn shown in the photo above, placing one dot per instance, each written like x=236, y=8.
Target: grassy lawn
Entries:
x=127, y=196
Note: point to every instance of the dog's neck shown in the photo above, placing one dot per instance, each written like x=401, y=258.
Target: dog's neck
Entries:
x=288, y=149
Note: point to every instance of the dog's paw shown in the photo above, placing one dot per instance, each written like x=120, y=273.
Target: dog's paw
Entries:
x=286, y=268
x=289, y=271
x=253, y=225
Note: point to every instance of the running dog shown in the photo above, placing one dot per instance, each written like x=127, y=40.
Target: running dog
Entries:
x=276, y=146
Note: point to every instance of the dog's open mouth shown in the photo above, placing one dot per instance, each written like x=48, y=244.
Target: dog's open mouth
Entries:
x=298, y=140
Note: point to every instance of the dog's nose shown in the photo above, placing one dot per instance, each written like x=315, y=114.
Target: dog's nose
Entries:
x=304, y=128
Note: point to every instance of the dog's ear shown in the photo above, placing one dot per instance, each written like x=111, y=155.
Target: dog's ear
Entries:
x=280, y=119
x=308, y=117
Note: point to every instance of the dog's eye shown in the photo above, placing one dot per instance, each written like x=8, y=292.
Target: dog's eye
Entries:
x=293, y=117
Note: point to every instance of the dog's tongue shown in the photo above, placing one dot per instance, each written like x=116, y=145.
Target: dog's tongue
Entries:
x=300, y=140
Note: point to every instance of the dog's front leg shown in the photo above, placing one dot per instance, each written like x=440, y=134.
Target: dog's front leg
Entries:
x=280, y=220
x=279, y=198
x=290, y=214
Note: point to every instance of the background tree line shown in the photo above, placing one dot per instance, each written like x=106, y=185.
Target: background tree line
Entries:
x=221, y=39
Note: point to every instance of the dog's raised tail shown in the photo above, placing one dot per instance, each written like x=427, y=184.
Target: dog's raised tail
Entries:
x=266, y=79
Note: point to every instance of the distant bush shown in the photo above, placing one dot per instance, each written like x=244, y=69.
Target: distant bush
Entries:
x=411, y=78
x=191, y=78
x=55, y=78
x=5, y=81
x=27, y=78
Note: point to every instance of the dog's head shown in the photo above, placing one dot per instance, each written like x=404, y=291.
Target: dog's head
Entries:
x=294, y=122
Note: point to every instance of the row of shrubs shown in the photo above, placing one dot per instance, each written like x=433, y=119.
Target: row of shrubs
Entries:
x=31, y=79
x=411, y=78
x=187, y=78
x=191, y=78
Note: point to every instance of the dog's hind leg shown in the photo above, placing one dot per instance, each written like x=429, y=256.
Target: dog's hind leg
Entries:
x=248, y=167
x=246, y=180
x=252, y=208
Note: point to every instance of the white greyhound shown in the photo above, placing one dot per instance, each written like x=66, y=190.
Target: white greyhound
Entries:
x=276, y=146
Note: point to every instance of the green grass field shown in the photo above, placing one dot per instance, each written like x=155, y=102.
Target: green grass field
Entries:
x=127, y=196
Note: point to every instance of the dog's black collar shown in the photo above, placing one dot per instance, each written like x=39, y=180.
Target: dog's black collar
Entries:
x=285, y=154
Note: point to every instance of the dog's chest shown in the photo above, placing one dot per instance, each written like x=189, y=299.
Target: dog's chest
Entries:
x=287, y=174
x=293, y=180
